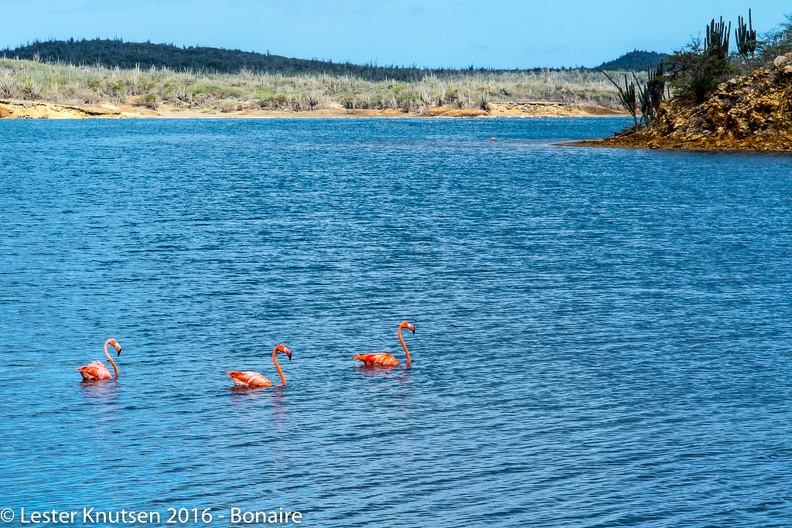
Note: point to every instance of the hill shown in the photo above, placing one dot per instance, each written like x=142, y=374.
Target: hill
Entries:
x=130, y=55
x=115, y=53
x=634, y=61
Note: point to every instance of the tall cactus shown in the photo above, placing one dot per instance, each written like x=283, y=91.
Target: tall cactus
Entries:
x=745, y=36
x=657, y=84
x=716, y=42
x=650, y=94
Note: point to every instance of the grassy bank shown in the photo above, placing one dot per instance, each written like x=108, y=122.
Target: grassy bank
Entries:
x=151, y=88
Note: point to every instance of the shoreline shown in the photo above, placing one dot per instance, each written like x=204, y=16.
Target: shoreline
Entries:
x=17, y=109
x=674, y=146
x=748, y=113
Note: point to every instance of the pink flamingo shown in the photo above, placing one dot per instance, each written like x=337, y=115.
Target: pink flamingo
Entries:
x=254, y=379
x=96, y=370
x=383, y=358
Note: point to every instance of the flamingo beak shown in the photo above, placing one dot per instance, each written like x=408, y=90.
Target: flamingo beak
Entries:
x=289, y=356
x=413, y=329
x=118, y=349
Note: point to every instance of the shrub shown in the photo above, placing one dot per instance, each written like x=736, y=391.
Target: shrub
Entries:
x=696, y=70
x=777, y=41
x=148, y=100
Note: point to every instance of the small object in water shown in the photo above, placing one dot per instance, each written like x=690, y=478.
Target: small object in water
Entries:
x=492, y=139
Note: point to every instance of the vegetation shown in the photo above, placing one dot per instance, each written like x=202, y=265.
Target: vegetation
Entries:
x=144, y=55
x=155, y=75
x=722, y=98
x=637, y=61
x=649, y=93
x=776, y=42
x=746, y=37
x=248, y=90
x=626, y=96
x=696, y=70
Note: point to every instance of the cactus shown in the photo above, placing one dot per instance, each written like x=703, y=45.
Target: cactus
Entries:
x=650, y=94
x=717, y=39
x=745, y=35
x=626, y=96
x=645, y=100
x=657, y=84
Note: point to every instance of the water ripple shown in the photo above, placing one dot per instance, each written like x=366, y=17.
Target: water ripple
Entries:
x=603, y=336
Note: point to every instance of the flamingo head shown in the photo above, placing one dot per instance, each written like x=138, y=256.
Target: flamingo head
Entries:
x=282, y=348
x=114, y=343
x=408, y=326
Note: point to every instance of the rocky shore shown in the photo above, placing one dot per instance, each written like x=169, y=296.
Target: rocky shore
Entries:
x=750, y=112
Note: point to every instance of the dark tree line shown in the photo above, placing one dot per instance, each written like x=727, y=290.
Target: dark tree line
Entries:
x=129, y=55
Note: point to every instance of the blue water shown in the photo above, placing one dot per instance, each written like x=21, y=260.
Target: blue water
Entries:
x=603, y=337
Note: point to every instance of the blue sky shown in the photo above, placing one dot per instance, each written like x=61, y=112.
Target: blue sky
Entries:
x=428, y=33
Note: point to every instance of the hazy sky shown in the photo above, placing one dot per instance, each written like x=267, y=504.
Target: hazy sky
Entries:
x=428, y=33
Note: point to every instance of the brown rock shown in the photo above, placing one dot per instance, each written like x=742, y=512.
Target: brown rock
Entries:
x=750, y=112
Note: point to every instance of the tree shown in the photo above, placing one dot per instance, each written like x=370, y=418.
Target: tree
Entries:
x=777, y=41
x=697, y=69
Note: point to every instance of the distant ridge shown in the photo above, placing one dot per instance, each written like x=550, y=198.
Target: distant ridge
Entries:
x=128, y=55
x=635, y=60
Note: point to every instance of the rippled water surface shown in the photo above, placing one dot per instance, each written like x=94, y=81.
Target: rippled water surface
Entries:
x=602, y=336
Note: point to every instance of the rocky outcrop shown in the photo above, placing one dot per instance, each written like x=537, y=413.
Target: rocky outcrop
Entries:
x=11, y=109
x=752, y=112
x=548, y=109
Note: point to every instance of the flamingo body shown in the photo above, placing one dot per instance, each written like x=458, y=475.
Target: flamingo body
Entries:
x=94, y=371
x=377, y=358
x=384, y=359
x=97, y=370
x=254, y=379
x=249, y=379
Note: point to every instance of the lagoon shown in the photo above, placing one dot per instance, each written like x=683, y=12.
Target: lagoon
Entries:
x=602, y=335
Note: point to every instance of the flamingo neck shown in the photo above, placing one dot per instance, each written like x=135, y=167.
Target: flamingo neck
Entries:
x=277, y=367
x=115, y=369
x=406, y=352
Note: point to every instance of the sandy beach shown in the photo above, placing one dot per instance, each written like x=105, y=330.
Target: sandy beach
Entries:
x=17, y=109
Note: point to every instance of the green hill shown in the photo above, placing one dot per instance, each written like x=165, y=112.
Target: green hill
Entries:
x=634, y=61
x=128, y=55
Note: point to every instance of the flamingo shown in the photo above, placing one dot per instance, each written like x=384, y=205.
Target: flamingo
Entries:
x=383, y=358
x=254, y=379
x=96, y=370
